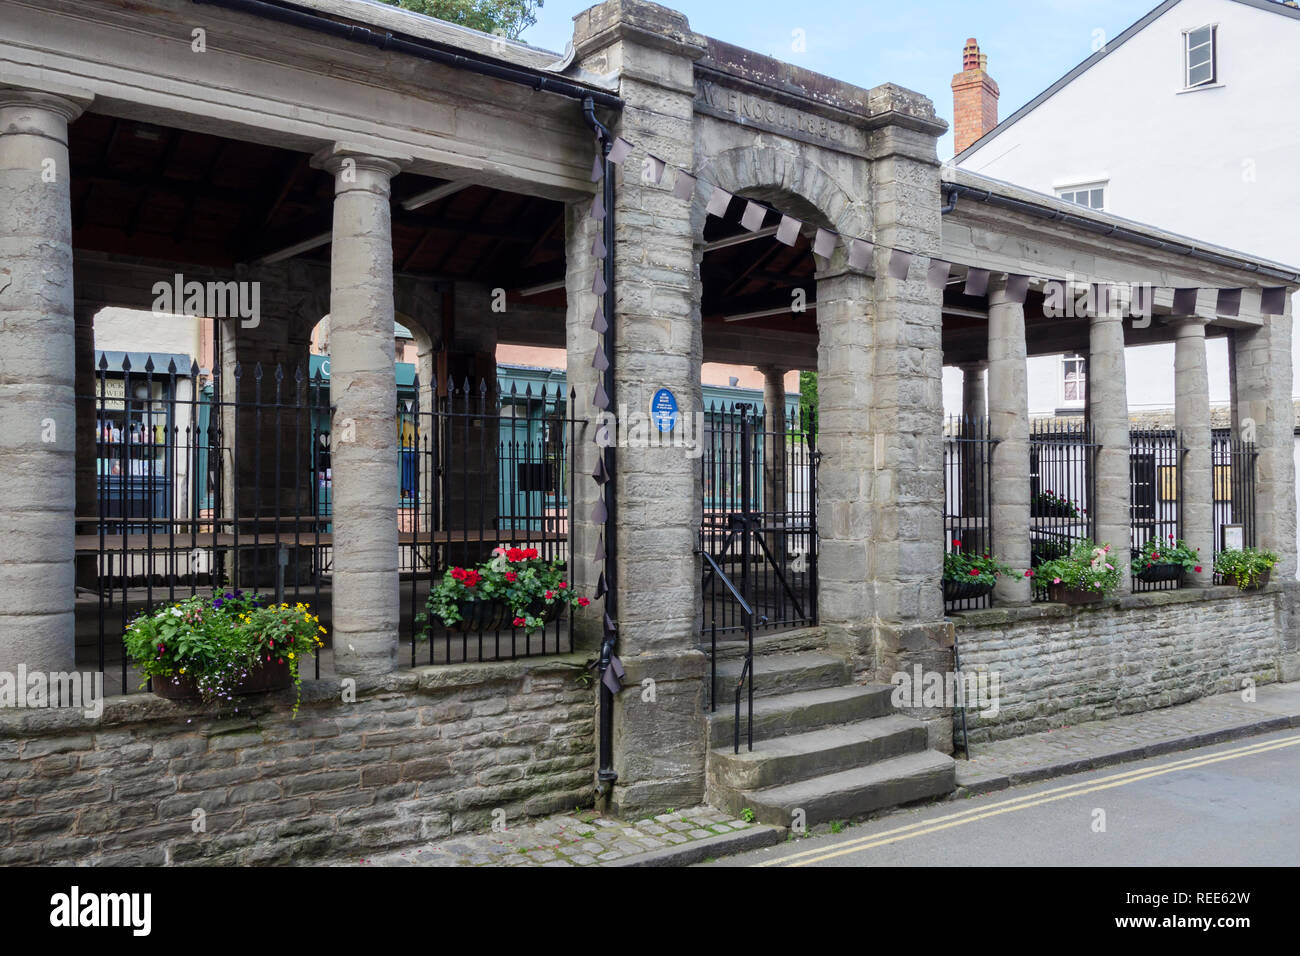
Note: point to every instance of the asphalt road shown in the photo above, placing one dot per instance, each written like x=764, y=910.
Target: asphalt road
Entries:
x=1236, y=804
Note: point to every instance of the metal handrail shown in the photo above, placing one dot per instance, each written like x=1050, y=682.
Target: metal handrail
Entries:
x=746, y=671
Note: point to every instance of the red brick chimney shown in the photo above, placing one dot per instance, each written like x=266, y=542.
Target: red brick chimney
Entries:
x=974, y=97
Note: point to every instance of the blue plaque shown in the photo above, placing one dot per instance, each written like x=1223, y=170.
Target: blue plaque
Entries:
x=663, y=409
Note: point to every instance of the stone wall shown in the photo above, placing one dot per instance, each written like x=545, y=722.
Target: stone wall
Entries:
x=420, y=755
x=1059, y=665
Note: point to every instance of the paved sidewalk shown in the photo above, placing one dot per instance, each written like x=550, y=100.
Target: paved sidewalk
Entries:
x=585, y=838
x=1004, y=763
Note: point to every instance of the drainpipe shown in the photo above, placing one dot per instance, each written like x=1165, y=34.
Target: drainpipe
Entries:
x=606, y=774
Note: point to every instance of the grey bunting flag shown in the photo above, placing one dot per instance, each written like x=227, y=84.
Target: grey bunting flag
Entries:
x=598, y=286
x=718, y=202
x=598, y=207
x=598, y=323
x=1229, y=302
x=599, y=554
x=601, y=588
x=788, y=231
x=600, y=361
x=1017, y=289
x=899, y=263
x=937, y=274
x=684, y=186
x=599, y=513
x=977, y=282
x=598, y=474
x=1184, y=301
x=613, y=676
x=860, y=254
x=618, y=152
x=597, y=168
x=753, y=217
x=824, y=243
x=1272, y=301
x=598, y=249
x=600, y=399
x=655, y=166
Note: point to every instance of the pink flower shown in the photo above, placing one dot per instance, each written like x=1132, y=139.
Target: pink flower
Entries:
x=1056, y=580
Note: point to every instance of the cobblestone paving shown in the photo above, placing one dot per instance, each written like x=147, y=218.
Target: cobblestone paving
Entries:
x=1153, y=731
x=569, y=839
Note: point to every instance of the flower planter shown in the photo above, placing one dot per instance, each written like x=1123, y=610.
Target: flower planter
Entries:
x=260, y=680
x=1260, y=582
x=1162, y=572
x=547, y=612
x=1064, y=595
x=965, y=590
x=1046, y=510
x=479, y=615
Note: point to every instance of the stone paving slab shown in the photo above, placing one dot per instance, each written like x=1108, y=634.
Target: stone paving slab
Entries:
x=999, y=764
x=584, y=838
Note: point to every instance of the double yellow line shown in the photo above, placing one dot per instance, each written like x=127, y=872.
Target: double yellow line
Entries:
x=898, y=834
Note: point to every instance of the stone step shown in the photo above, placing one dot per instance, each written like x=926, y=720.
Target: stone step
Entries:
x=847, y=794
x=778, y=674
x=802, y=711
x=786, y=642
x=784, y=760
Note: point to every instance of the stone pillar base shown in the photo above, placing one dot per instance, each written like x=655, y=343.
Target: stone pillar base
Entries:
x=660, y=733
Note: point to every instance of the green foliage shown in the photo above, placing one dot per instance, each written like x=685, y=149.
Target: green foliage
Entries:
x=218, y=641
x=971, y=568
x=1173, y=551
x=837, y=826
x=808, y=397
x=747, y=814
x=528, y=584
x=1050, y=503
x=507, y=18
x=1247, y=566
x=1088, y=567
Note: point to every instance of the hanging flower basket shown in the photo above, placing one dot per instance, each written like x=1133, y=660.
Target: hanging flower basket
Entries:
x=546, y=612
x=1066, y=595
x=260, y=680
x=479, y=614
x=1260, y=582
x=965, y=590
x=1161, y=572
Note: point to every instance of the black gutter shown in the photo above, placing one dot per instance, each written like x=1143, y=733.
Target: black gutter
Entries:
x=537, y=80
x=606, y=775
x=1119, y=232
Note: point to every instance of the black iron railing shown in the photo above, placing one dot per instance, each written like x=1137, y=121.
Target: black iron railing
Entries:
x=967, y=513
x=1062, y=490
x=745, y=679
x=486, y=469
x=1156, y=492
x=759, y=517
x=1234, y=489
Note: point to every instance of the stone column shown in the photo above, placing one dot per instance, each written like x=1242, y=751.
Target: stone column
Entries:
x=774, y=458
x=581, y=379
x=1192, y=419
x=87, y=390
x=363, y=389
x=1108, y=410
x=1261, y=360
x=974, y=397
x=37, y=376
x=1008, y=400
x=900, y=471
x=659, y=748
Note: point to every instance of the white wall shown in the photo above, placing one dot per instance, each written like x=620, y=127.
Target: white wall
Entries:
x=1215, y=164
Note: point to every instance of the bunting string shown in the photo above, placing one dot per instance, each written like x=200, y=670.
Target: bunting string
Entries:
x=938, y=271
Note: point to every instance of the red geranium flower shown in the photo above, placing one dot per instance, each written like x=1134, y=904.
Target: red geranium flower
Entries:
x=530, y=552
x=563, y=584
x=519, y=622
x=583, y=602
x=471, y=578
x=549, y=595
x=514, y=554
x=974, y=572
x=511, y=577
x=458, y=573
x=956, y=543
x=1197, y=569
x=1029, y=573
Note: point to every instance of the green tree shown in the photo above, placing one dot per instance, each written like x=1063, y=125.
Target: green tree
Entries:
x=808, y=397
x=507, y=18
